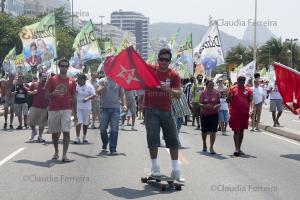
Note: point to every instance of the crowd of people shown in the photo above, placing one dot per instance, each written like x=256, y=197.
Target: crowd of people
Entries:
x=210, y=106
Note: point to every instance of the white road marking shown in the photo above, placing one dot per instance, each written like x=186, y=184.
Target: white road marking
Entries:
x=10, y=156
x=282, y=138
x=296, y=120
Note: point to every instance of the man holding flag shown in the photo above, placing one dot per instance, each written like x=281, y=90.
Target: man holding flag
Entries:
x=158, y=113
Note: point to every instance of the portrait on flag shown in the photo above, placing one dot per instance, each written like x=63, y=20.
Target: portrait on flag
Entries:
x=39, y=44
x=85, y=46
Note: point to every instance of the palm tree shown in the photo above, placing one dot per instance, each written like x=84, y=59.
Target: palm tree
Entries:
x=239, y=54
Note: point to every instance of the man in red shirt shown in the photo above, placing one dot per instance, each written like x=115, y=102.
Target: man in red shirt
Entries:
x=38, y=110
x=240, y=97
x=158, y=115
x=62, y=98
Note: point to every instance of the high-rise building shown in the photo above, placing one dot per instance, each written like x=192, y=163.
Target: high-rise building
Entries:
x=14, y=7
x=137, y=24
x=36, y=7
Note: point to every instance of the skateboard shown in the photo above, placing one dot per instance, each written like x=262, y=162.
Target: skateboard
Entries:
x=164, y=182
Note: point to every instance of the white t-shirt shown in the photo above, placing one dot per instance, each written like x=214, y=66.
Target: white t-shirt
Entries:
x=258, y=94
x=83, y=92
x=274, y=94
x=224, y=104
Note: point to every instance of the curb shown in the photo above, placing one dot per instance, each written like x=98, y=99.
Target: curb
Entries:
x=282, y=131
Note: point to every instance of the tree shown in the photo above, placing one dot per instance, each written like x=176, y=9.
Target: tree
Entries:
x=239, y=54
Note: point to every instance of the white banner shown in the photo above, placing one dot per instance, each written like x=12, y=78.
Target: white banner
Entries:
x=248, y=70
x=209, y=51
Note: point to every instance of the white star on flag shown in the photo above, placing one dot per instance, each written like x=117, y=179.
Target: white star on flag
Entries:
x=128, y=75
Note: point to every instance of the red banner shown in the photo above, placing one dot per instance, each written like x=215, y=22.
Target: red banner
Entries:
x=288, y=83
x=130, y=71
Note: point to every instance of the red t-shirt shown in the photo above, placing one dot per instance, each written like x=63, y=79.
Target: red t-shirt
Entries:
x=157, y=98
x=67, y=88
x=39, y=100
x=212, y=98
x=240, y=99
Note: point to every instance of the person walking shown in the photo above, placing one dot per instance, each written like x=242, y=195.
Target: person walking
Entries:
x=240, y=98
x=258, y=99
x=131, y=106
x=96, y=100
x=196, y=91
x=275, y=103
x=9, y=100
x=111, y=98
x=85, y=92
x=37, y=115
x=61, y=91
x=209, y=106
x=158, y=113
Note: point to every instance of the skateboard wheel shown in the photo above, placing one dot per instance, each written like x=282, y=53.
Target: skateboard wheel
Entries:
x=158, y=181
x=144, y=180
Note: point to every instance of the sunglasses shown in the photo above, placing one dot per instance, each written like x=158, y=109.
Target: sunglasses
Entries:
x=164, y=59
x=64, y=66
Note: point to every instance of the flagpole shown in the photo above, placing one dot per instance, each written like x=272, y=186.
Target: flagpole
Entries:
x=254, y=39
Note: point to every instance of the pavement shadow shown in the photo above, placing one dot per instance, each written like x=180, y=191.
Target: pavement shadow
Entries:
x=242, y=156
x=129, y=193
x=105, y=154
x=88, y=143
x=47, y=164
x=216, y=156
x=291, y=156
x=83, y=155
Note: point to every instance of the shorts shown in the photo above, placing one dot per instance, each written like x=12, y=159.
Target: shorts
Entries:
x=276, y=104
x=209, y=123
x=59, y=121
x=95, y=107
x=223, y=116
x=37, y=116
x=21, y=109
x=196, y=109
x=83, y=116
x=154, y=120
x=132, y=107
x=239, y=122
x=9, y=101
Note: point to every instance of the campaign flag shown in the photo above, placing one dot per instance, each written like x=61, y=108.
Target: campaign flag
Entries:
x=185, y=55
x=172, y=41
x=209, y=51
x=152, y=59
x=125, y=43
x=8, y=65
x=39, y=44
x=288, y=84
x=130, y=71
x=86, y=46
x=109, y=48
x=20, y=65
x=248, y=70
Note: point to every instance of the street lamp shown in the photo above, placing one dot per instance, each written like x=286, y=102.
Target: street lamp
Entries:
x=254, y=34
x=292, y=40
x=101, y=25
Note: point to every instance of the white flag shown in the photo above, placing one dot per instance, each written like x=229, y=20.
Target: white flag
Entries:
x=248, y=70
x=209, y=51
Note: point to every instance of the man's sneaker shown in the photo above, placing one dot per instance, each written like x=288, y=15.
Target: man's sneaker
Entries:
x=93, y=126
x=11, y=127
x=104, y=147
x=19, y=128
x=155, y=171
x=33, y=134
x=133, y=128
x=5, y=126
x=84, y=139
x=25, y=126
x=77, y=140
x=41, y=139
x=175, y=174
x=114, y=153
x=122, y=127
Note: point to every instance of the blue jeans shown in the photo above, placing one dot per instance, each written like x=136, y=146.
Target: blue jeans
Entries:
x=109, y=116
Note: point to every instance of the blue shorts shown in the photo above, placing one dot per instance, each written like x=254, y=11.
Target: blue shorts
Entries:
x=223, y=116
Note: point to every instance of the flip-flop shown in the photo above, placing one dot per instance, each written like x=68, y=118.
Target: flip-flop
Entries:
x=55, y=157
x=66, y=160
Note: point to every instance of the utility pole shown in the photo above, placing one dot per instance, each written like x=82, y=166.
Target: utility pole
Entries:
x=72, y=12
x=101, y=25
x=2, y=5
x=292, y=40
x=254, y=37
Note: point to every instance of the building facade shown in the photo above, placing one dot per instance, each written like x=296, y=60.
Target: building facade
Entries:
x=135, y=23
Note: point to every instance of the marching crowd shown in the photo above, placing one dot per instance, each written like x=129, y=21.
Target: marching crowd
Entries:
x=52, y=101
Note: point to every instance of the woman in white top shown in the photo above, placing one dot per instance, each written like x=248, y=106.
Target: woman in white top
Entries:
x=85, y=92
x=258, y=99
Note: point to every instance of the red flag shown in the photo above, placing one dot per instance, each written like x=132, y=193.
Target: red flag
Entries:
x=288, y=83
x=130, y=71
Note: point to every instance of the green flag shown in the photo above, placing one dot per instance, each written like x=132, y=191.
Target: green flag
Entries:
x=39, y=44
x=123, y=45
x=172, y=41
x=152, y=59
x=8, y=64
x=109, y=48
x=187, y=44
x=86, y=46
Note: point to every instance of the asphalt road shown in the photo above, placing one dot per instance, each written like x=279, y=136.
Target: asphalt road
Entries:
x=269, y=170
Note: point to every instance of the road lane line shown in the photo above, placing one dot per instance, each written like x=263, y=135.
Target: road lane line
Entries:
x=281, y=138
x=10, y=156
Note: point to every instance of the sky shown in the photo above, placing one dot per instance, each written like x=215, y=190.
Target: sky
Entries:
x=281, y=17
